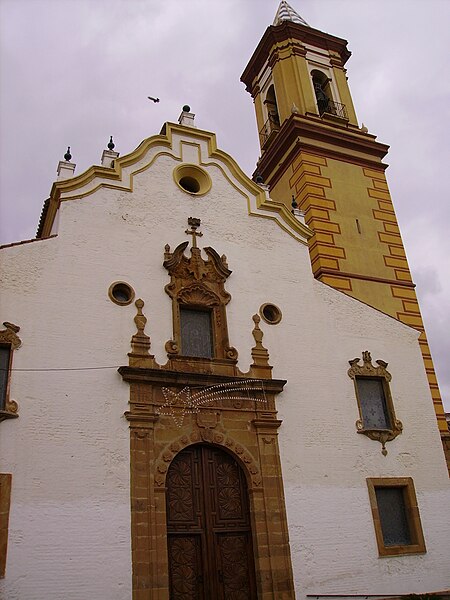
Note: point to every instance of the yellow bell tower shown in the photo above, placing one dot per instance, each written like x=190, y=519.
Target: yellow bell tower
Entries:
x=313, y=151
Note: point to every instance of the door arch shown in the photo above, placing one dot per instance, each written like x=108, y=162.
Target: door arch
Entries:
x=209, y=536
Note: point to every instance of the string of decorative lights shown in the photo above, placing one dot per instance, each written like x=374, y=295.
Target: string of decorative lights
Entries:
x=179, y=404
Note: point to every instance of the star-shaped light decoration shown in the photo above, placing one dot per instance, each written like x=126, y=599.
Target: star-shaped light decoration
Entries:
x=179, y=404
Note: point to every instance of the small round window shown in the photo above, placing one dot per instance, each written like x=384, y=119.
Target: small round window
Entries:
x=190, y=184
x=192, y=179
x=270, y=313
x=121, y=293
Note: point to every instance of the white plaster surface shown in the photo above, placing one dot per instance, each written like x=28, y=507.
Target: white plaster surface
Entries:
x=69, y=449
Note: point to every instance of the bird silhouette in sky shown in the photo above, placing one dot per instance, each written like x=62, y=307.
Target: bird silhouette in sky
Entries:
x=154, y=99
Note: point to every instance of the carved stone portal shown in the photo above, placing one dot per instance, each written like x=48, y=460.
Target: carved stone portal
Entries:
x=207, y=402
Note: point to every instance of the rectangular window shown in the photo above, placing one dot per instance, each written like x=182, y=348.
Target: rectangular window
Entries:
x=392, y=510
x=5, y=358
x=196, y=333
x=395, y=515
x=373, y=404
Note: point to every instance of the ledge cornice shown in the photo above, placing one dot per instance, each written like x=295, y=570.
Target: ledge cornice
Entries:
x=183, y=378
x=306, y=133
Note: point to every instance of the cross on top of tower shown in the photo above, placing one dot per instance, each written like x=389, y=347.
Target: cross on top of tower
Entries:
x=285, y=12
x=194, y=223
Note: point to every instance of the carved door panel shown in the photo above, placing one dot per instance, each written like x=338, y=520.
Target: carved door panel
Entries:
x=208, y=527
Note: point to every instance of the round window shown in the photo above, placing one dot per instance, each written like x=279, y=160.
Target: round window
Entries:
x=190, y=184
x=192, y=179
x=121, y=293
x=270, y=313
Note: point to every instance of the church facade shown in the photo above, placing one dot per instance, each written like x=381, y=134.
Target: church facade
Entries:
x=190, y=408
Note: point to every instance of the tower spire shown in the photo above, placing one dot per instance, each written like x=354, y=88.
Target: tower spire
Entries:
x=285, y=12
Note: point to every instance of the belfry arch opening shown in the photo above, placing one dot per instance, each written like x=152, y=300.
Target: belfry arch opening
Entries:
x=209, y=534
x=272, y=123
x=272, y=106
x=322, y=90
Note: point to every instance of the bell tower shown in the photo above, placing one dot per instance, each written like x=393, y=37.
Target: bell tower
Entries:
x=315, y=155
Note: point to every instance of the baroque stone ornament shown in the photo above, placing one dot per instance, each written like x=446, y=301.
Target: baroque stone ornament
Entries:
x=9, y=338
x=374, y=402
x=199, y=283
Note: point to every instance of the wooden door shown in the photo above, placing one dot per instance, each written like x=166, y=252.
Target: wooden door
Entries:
x=208, y=527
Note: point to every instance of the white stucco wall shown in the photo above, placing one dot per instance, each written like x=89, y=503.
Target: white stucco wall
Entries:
x=69, y=449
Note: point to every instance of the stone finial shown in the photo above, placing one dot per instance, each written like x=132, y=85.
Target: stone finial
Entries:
x=140, y=342
x=65, y=168
x=299, y=214
x=108, y=155
x=260, y=354
x=186, y=117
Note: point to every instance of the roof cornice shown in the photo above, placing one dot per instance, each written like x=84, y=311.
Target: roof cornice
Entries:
x=77, y=187
x=291, y=32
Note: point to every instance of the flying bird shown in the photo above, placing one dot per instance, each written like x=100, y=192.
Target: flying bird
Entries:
x=154, y=99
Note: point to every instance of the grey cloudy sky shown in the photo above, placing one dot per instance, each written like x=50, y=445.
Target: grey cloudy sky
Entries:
x=75, y=72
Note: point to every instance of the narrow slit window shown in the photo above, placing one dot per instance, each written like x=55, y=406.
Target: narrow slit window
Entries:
x=196, y=333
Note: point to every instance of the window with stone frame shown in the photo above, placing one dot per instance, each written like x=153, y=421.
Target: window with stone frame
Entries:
x=9, y=341
x=371, y=393
x=5, y=361
x=196, y=332
x=396, y=518
x=377, y=418
x=199, y=300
